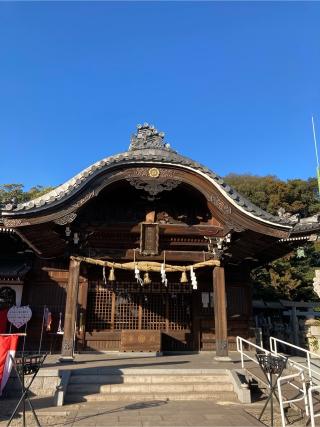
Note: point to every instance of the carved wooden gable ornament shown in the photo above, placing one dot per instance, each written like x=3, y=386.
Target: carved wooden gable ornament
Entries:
x=152, y=180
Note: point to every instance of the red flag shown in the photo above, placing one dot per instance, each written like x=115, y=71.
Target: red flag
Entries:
x=47, y=319
x=8, y=346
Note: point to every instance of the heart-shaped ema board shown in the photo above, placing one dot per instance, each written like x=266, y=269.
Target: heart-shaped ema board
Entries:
x=19, y=316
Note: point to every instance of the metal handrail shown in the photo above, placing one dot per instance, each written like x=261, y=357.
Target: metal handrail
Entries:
x=313, y=373
x=311, y=409
x=311, y=368
x=287, y=379
x=293, y=364
x=240, y=341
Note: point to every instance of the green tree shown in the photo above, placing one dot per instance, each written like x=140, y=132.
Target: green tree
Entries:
x=270, y=193
x=290, y=277
x=16, y=191
x=37, y=191
x=10, y=191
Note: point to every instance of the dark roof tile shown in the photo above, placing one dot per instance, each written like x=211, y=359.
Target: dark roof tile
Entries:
x=155, y=150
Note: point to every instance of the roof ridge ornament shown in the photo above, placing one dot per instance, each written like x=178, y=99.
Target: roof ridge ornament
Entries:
x=148, y=137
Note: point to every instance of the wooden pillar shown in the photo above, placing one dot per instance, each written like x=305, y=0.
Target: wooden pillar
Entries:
x=167, y=312
x=67, y=350
x=82, y=303
x=295, y=325
x=113, y=309
x=196, y=319
x=140, y=309
x=220, y=312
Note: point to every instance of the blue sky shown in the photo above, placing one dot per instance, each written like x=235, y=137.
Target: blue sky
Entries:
x=232, y=84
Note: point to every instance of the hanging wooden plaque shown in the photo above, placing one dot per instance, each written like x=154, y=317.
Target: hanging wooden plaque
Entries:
x=149, y=239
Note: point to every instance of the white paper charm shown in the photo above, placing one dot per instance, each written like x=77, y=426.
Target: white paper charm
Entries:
x=193, y=279
x=137, y=276
x=164, y=279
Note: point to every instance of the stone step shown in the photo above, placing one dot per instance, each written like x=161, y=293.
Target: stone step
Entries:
x=146, y=379
x=138, y=397
x=175, y=387
x=109, y=370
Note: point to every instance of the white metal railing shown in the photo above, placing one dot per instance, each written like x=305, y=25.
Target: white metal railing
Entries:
x=246, y=354
x=311, y=367
x=311, y=391
x=308, y=365
x=288, y=379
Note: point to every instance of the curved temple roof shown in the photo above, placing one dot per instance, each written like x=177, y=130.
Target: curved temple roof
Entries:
x=148, y=146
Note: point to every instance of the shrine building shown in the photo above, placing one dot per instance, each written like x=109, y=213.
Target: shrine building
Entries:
x=146, y=250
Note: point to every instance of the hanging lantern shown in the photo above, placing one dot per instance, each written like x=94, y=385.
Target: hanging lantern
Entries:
x=184, y=278
x=112, y=276
x=146, y=279
x=300, y=252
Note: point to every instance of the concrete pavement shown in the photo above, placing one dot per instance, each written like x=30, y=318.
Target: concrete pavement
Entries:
x=142, y=414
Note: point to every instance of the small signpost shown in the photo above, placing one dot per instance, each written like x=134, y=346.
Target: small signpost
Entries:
x=19, y=316
x=25, y=365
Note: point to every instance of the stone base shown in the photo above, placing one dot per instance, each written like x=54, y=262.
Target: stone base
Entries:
x=66, y=359
x=43, y=386
x=222, y=359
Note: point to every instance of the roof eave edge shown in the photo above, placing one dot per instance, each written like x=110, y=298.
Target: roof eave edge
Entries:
x=136, y=161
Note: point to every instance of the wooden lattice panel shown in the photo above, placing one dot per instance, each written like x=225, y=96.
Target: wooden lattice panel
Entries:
x=179, y=288
x=153, y=288
x=128, y=306
x=99, y=307
x=179, y=312
x=153, y=312
x=126, y=311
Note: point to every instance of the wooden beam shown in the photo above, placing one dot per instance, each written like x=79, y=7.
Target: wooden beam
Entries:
x=11, y=282
x=113, y=243
x=183, y=256
x=220, y=312
x=168, y=229
x=28, y=242
x=67, y=350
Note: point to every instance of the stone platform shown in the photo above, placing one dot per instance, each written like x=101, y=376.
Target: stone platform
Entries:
x=107, y=377
x=224, y=409
x=203, y=360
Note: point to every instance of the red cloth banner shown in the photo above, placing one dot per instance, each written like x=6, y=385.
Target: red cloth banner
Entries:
x=8, y=346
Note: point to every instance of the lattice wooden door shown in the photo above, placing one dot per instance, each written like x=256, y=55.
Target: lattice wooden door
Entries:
x=121, y=306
